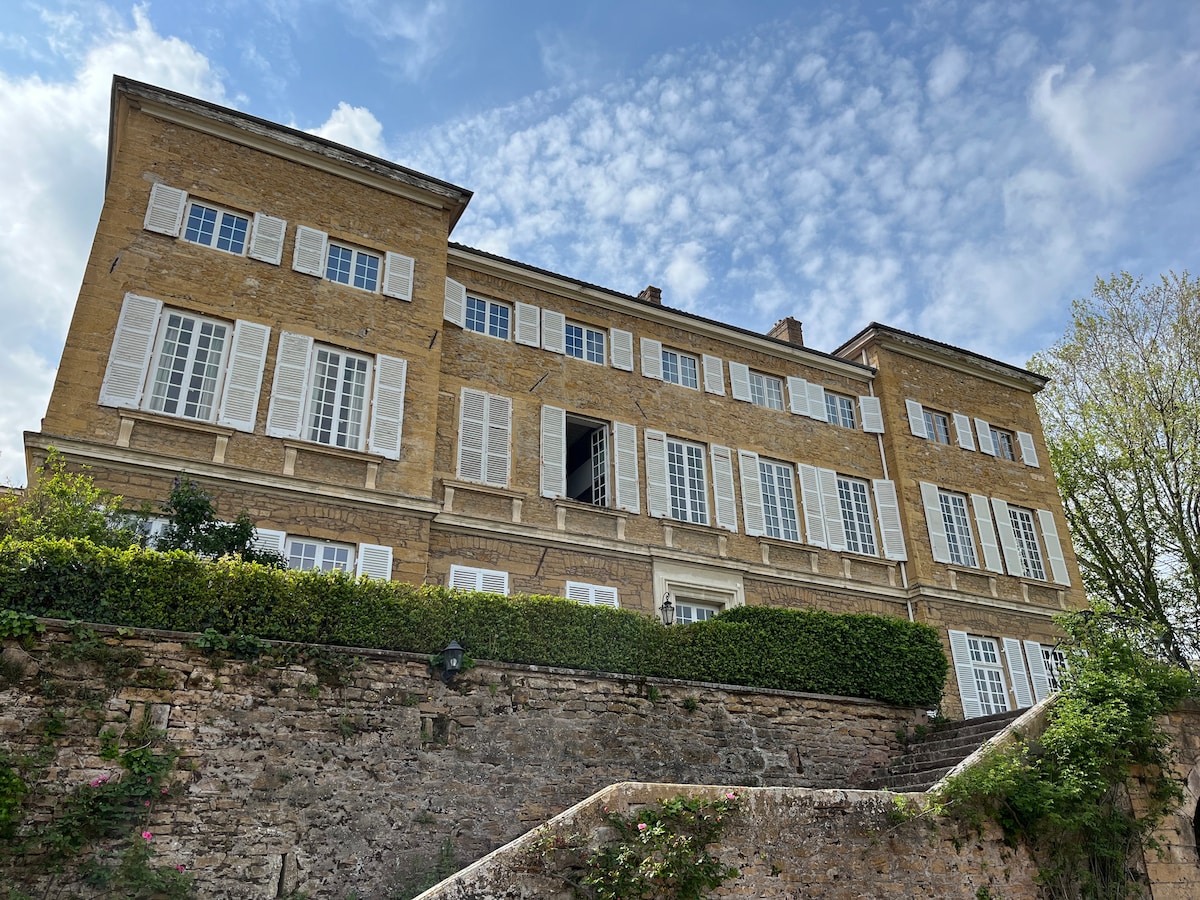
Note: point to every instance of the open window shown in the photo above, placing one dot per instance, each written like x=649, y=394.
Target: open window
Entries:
x=587, y=461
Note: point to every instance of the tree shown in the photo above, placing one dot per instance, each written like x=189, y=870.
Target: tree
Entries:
x=194, y=527
x=1122, y=421
x=62, y=504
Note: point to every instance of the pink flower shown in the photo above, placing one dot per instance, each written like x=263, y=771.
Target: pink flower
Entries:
x=164, y=790
x=731, y=796
x=103, y=779
x=641, y=826
x=180, y=867
x=145, y=803
x=147, y=836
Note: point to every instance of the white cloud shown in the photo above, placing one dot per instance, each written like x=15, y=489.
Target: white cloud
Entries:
x=947, y=72
x=355, y=127
x=685, y=276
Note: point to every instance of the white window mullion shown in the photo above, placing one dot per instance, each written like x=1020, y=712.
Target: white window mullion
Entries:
x=285, y=412
x=554, y=451
x=658, y=496
x=625, y=467
x=724, y=503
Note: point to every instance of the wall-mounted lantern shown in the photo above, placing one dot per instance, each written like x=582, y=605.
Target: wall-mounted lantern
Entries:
x=667, y=610
x=452, y=660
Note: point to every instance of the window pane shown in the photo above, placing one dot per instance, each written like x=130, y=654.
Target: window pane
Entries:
x=574, y=341
x=1027, y=543
x=476, y=315
x=595, y=346
x=498, y=321
x=856, y=516
x=687, y=372
x=232, y=237
x=189, y=366
x=670, y=367
x=779, y=501
x=366, y=271
x=200, y=225
x=958, y=529
x=338, y=267
x=338, y=402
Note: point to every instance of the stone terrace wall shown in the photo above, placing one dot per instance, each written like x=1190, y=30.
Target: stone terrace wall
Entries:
x=789, y=844
x=295, y=784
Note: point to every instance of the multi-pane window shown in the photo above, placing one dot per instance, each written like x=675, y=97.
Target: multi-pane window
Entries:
x=839, y=410
x=217, y=228
x=1027, y=543
x=488, y=317
x=687, y=612
x=337, y=399
x=1003, y=442
x=856, y=515
x=307, y=554
x=766, y=390
x=958, y=528
x=349, y=265
x=686, y=482
x=679, y=368
x=583, y=342
x=937, y=426
x=587, y=461
x=989, y=675
x=1055, y=663
x=188, y=367
x=778, y=500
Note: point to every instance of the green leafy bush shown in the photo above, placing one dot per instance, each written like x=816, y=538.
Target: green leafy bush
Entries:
x=850, y=655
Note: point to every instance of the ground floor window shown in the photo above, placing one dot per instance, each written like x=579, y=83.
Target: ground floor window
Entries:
x=307, y=554
x=688, y=611
x=989, y=674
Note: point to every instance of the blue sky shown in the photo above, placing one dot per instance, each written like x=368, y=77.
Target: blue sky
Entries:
x=960, y=169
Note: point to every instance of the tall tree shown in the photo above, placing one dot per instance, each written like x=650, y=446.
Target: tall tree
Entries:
x=1122, y=420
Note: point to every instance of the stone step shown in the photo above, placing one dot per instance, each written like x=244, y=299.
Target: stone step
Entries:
x=927, y=760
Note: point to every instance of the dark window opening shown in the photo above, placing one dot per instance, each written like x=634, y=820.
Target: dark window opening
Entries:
x=587, y=461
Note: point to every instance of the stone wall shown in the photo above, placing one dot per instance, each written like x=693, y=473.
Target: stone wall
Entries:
x=288, y=781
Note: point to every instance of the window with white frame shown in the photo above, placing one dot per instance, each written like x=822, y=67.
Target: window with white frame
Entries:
x=779, y=500
x=217, y=228
x=766, y=390
x=1002, y=441
x=185, y=365
x=489, y=317
x=587, y=463
x=686, y=482
x=1055, y=663
x=584, y=342
x=307, y=554
x=989, y=674
x=324, y=394
x=592, y=594
x=937, y=426
x=680, y=368
x=1027, y=542
x=839, y=410
x=353, y=266
x=958, y=528
x=856, y=515
x=688, y=611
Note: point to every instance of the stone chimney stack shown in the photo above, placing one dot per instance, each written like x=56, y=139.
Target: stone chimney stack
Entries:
x=651, y=295
x=789, y=330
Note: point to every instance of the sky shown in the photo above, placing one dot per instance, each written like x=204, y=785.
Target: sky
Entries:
x=964, y=170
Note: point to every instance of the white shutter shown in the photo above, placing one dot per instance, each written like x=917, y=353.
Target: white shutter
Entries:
x=658, y=497
x=1058, y=564
x=1037, y=671
x=984, y=431
x=724, y=503
x=243, y=377
x=285, y=413
x=132, y=347
x=554, y=451
x=987, y=533
x=752, y=505
x=1016, y=671
x=835, y=527
x=890, y=530
x=398, y=276
x=472, y=434
x=816, y=402
x=592, y=594
x=605, y=596
x=739, y=381
x=374, y=561
x=387, y=406
x=527, y=330
x=554, y=331
x=714, y=375
x=916, y=418
x=266, y=239
x=308, y=255
x=962, y=428
x=814, y=516
x=797, y=395
x=455, y=306
x=464, y=578
x=965, y=672
x=622, y=349
x=499, y=440
x=625, y=467
x=652, y=358
x=871, y=415
x=493, y=582
x=1028, y=450
x=1008, y=539
x=936, y=522
x=267, y=540
x=164, y=213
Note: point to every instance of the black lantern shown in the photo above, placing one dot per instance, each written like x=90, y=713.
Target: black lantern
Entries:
x=452, y=660
x=667, y=609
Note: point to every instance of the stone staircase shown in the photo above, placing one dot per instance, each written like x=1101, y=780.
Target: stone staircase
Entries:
x=926, y=761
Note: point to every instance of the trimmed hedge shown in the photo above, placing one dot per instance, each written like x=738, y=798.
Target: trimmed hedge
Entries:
x=800, y=650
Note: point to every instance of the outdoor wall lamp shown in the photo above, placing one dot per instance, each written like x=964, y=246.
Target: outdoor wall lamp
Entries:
x=667, y=609
x=452, y=660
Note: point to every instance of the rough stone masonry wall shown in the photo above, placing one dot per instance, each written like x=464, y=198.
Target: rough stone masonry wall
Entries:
x=290, y=783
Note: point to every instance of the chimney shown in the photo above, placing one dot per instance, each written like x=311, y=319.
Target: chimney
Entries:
x=789, y=330
x=651, y=295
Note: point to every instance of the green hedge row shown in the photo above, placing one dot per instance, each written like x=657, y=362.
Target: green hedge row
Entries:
x=849, y=655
